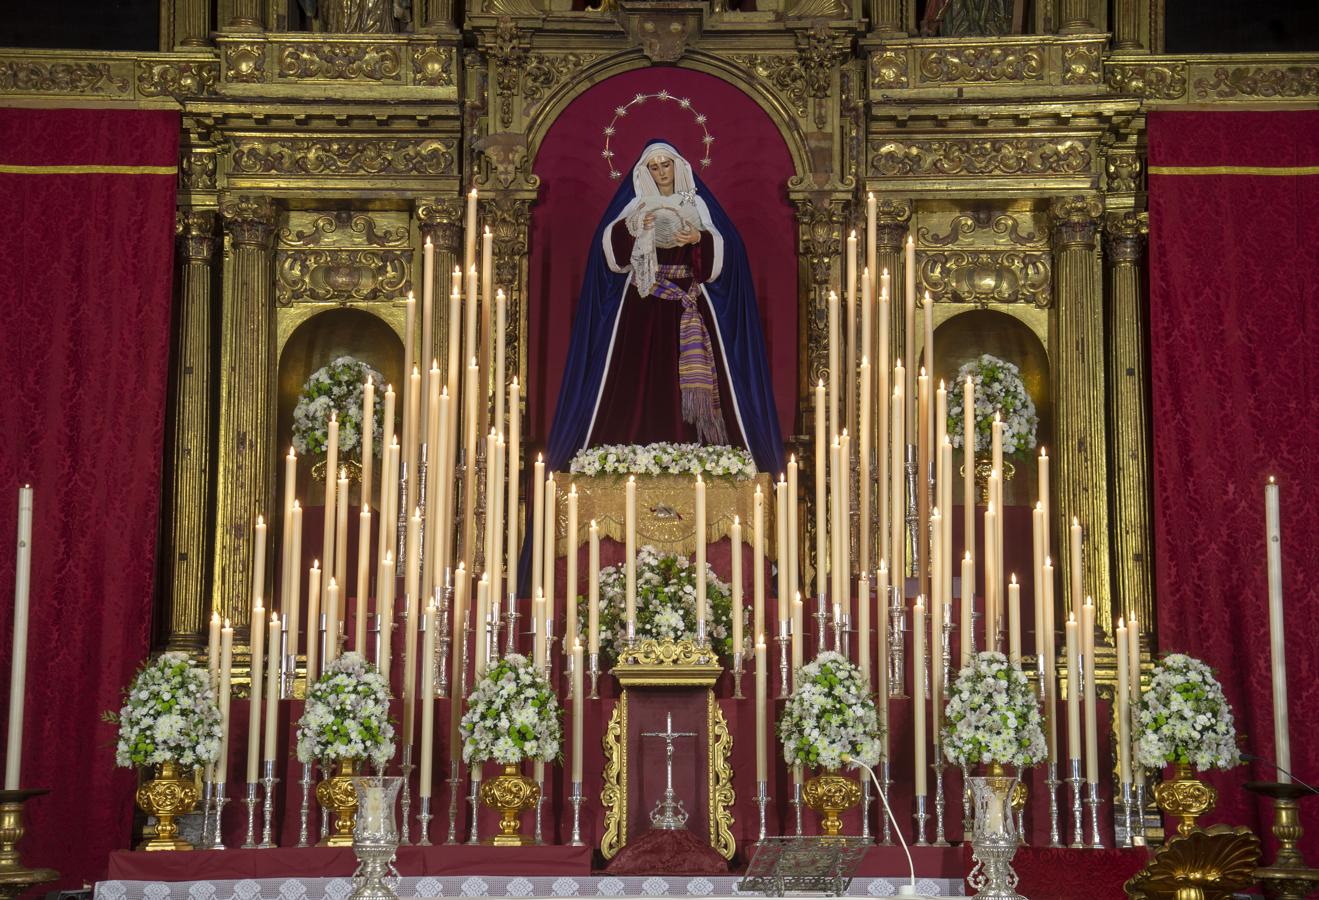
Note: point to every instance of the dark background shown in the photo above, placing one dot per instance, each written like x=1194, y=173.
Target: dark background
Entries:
x=1217, y=26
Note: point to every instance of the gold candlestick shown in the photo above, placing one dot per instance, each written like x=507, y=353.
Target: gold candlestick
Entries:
x=1289, y=877
x=16, y=878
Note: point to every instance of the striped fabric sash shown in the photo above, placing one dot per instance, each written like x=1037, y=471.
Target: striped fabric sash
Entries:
x=696, y=375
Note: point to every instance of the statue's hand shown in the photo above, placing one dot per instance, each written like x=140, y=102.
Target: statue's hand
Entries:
x=649, y=221
x=689, y=235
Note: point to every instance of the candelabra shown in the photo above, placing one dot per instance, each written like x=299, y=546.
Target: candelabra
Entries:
x=305, y=813
x=1055, y=836
x=946, y=653
x=967, y=822
x=897, y=681
x=575, y=798
x=885, y=782
x=537, y=833
x=822, y=625
x=593, y=669
x=455, y=782
x=762, y=801
x=268, y=780
x=866, y=800
x=737, y=674
x=1139, y=838
x=783, y=640
x=208, y=787
x=511, y=645
x=250, y=802
x=1288, y=878
x=424, y=821
x=1078, y=822
x=473, y=797
x=839, y=629
x=921, y=818
x=217, y=835
x=440, y=673
x=401, y=531
x=1124, y=836
x=406, y=767
x=940, y=835
x=1096, y=841
x=796, y=805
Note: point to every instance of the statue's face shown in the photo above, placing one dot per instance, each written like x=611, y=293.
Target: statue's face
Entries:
x=661, y=169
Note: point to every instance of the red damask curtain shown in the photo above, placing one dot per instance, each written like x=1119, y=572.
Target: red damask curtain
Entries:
x=1234, y=333
x=86, y=255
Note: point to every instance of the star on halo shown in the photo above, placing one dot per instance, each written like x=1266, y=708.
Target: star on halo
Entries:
x=609, y=130
x=663, y=95
x=700, y=119
x=620, y=111
x=685, y=103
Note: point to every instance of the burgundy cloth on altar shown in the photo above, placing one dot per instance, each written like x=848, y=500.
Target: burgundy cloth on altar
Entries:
x=1234, y=330
x=664, y=852
x=84, y=368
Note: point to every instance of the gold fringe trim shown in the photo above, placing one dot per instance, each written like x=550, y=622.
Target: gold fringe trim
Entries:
x=6, y=169
x=1285, y=171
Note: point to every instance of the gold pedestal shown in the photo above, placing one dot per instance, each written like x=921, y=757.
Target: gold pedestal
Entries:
x=1185, y=797
x=1289, y=878
x=167, y=796
x=338, y=794
x=15, y=878
x=830, y=795
x=510, y=793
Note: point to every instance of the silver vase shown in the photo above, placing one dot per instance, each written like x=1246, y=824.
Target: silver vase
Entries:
x=375, y=837
x=994, y=838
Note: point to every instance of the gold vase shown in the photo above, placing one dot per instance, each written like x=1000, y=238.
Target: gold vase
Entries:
x=830, y=795
x=338, y=794
x=166, y=796
x=984, y=466
x=353, y=466
x=1184, y=797
x=510, y=794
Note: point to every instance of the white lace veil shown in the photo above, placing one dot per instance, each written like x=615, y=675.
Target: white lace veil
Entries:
x=688, y=209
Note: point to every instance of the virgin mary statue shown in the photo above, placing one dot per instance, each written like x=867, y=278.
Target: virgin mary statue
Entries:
x=666, y=344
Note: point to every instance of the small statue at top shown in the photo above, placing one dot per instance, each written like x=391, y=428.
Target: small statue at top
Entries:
x=360, y=16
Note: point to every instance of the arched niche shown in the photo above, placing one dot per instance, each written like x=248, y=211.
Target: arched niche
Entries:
x=966, y=335
x=324, y=336
x=752, y=167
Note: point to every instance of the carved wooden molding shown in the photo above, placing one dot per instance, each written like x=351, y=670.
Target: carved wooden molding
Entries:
x=356, y=156
x=959, y=157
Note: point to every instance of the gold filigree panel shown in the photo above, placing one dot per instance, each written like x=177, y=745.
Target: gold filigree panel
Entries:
x=177, y=79
x=1151, y=80
x=92, y=78
x=1268, y=82
x=328, y=64
x=1026, y=63
x=985, y=256
x=282, y=155
x=343, y=257
x=338, y=61
x=720, y=779
x=613, y=792
x=975, y=157
x=982, y=63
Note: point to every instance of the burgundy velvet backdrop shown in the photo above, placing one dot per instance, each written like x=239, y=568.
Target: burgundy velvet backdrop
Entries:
x=748, y=175
x=1234, y=325
x=84, y=353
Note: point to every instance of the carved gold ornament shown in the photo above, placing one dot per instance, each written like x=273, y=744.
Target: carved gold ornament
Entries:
x=511, y=793
x=1260, y=81
x=981, y=156
x=1205, y=865
x=166, y=797
x=722, y=795
x=667, y=663
x=613, y=793
x=337, y=794
x=1185, y=797
x=830, y=795
x=22, y=76
x=983, y=63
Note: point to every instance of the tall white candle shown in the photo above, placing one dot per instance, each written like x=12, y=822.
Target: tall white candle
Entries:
x=863, y=465
x=821, y=505
x=386, y=601
x=1014, y=620
x=257, y=631
x=881, y=636
x=578, y=710
x=762, y=691
x=341, y=532
x=863, y=626
x=287, y=565
x=313, y=621
x=794, y=559
x=780, y=548
x=411, y=583
x=967, y=628
x=758, y=564
x=469, y=231
x=18, y=666
x=363, y=579
x=332, y=615
x=271, y=728
x=897, y=468
x=331, y=469
x=427, y=348
x=735, y=575
x=593, y=592
x=368, y=445
x=700, y=556
x=1133, y=647
x=1073, y=690
x=548, y=544
x=1078, y=591
x=909, y=322
x=538, y=525
x=918, y=694
x=630, y=541
x=481, y=627
x=226, y=676
x=511, y=498
x=1091, y=706
x=835, y=339
x=427, y=702
x=501, y=354
x=1282, y=749
x=292, y=601
x=968, y=463
x=1050, y=665
x=570, y=633
x=1122, y=713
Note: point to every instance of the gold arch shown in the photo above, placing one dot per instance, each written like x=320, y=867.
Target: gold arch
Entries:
x=601, y=70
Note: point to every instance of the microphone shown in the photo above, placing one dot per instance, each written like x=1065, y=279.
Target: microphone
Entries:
x=905, y=890
x=1251, y=757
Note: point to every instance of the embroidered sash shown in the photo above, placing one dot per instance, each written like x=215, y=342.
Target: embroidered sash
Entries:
x=696, y=374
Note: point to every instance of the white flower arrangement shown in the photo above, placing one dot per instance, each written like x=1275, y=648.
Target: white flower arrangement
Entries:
x=337, y=387
x=993, y=715
x=666, y=603
x=512, y=715
x=169, y=714
x=664, y=459
x=347, y=714
x=998, y=389
x=830, y=715
x=1184, y=718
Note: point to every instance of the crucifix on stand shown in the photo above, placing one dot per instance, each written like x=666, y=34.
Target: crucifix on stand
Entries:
x=669, y=813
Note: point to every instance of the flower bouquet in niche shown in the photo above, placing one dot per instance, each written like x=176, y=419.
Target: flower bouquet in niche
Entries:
x=998, y=389
x=993, y=719
x=512, y=715
x=666, y=603
x=830, y=720
x=1185, y=720
x=170, y=720
x=345, y=722
x=336, y=388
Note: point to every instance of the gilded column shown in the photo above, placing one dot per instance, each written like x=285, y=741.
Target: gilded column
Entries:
x=1133, y=590
x=186, y=556
x=892, y=220
x=888, y=18
x=1126, y=25
x=1076, y=19
x=441, y=220
x=1078, y=390
x=246, y=16
x=245, y=470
